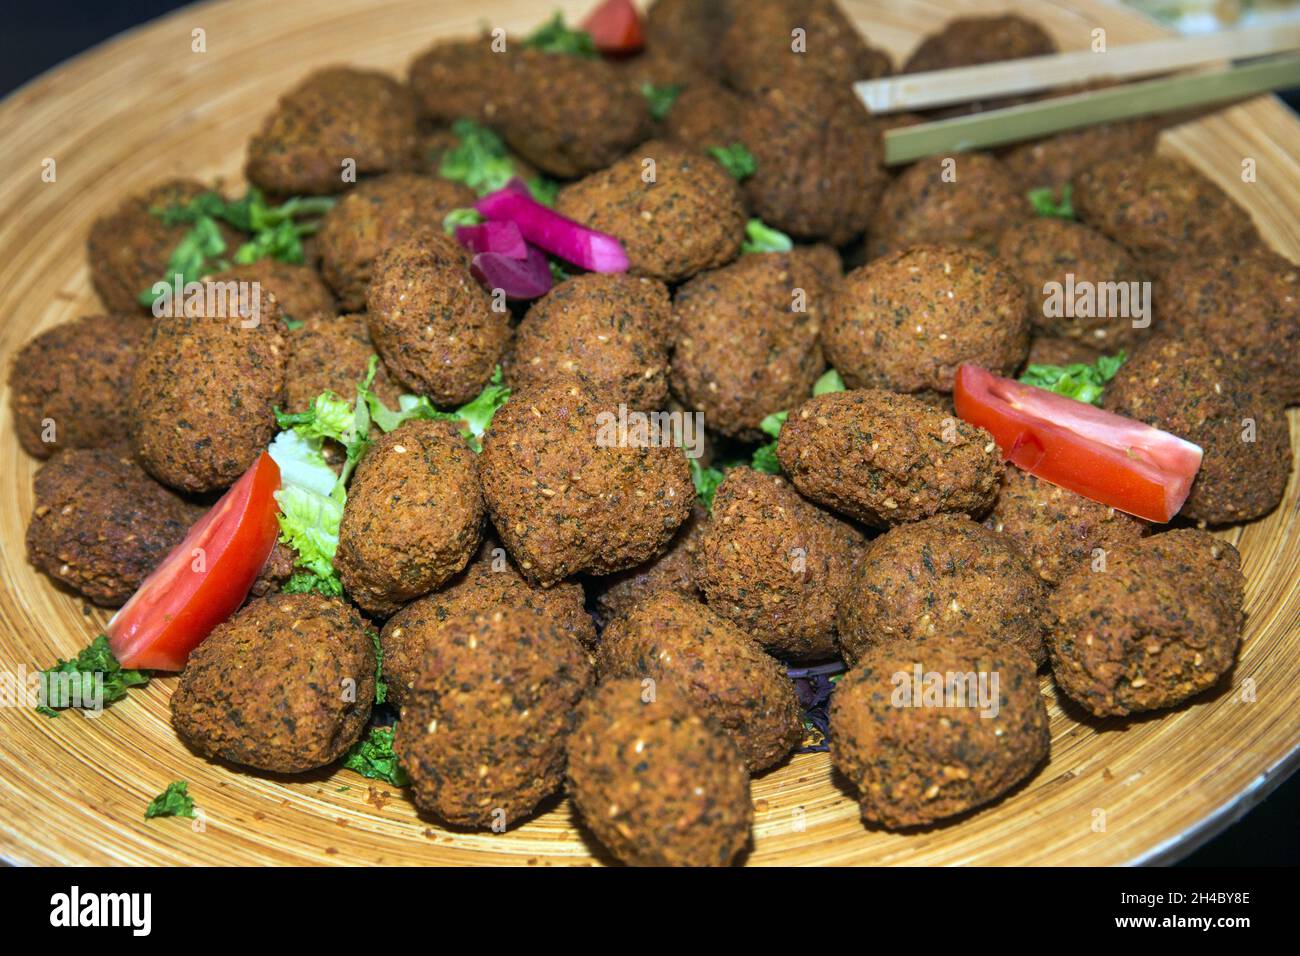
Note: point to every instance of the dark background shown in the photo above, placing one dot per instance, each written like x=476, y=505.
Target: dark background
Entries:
x=38, y=35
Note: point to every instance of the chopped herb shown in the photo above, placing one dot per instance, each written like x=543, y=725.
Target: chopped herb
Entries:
x=555, y=36
x=73, y=683
x=460, y=217
x=1045, y=204
x=1085, y=383
x=475, y=416
x=760, y=237
x=830, y=382
x=558, y=272
x=275, y=232
x=309, y=582
x=175, y=801
x=736, y=160
x=660, y=99
x=706, y=481
x=373, y=757
x=480, y=160
x=293, y=324
x=381, y=685
x=544, y=190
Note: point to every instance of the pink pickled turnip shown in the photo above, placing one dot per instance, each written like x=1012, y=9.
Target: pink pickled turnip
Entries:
x=503, y=238
x=558, y=235
x=527, y=278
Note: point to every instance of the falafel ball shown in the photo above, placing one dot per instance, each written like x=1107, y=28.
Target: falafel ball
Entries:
x=974, y=41
x=413, y=518
x=286, y=685
x=484, y=726
x=1158, y=626
x=749, y=337
x=1046, y=250
x=577, y=116
x=725, y=673
x=374, y=216
x=431, y=322
x=688, y=218
x=1057, y=529
x=462, y=79
x=1158, y=207
x=820, y=160
x=886, y=459
x=759, y=50
x=1245, y=303
x=918, y=763
x=673, y=570
x=204, y=392
x=704, y=114
x=491, y=583
x=567, y=493
x=657, y=782
x=332, y=354
x=1208, y=399
x=337, y=116
x=907, y=321
x=609, y=331
x=775, y=565
x=928, y=577
x=129, y=248
x=925, y=206
x=298, y=288
x=688, y=30
x=1055, y=161
x=66, y=384
x=100, y=524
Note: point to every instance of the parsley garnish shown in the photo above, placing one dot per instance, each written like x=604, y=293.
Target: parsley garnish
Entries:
x=1084, y=383
x=175, y=801
x=555, y=36
x=660, y=99
x=736, y=160
x=1044, y=202
x=72, y=683
x=760, y=237
x=373, y=757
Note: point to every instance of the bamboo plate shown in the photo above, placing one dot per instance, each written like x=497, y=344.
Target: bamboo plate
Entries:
x=144, y=107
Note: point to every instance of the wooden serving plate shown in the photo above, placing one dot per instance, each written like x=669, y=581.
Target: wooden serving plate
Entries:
x=143, y=107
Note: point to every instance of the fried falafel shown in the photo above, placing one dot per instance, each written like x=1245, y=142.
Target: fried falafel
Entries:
x=1208, y=399
x=483, y=730
x=338, y=124
x=775, y=565
x=1160, y=625
x=725, y=673
x=430, y=321
x=66, y=384
x=658, y=783
x=887, y=459
x=974, y=728
x=907, y=321
x=927, y=577
x=749, y=337
x=687, y=218
x=286, y=685
x=100, y=524
x=413, y=518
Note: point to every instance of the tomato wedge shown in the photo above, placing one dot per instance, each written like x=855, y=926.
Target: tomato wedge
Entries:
x=204, y=579
x=1122, y=463
x=615, y=27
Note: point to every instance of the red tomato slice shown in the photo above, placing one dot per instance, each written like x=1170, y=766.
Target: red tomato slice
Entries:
x=1098, y=454
x=179, y=604
x=615, y=27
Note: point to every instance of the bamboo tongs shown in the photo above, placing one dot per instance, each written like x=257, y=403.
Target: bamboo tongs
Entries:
x=1274, y=49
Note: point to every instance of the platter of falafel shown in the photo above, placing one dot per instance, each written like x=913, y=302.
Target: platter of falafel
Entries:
x=548, y=433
